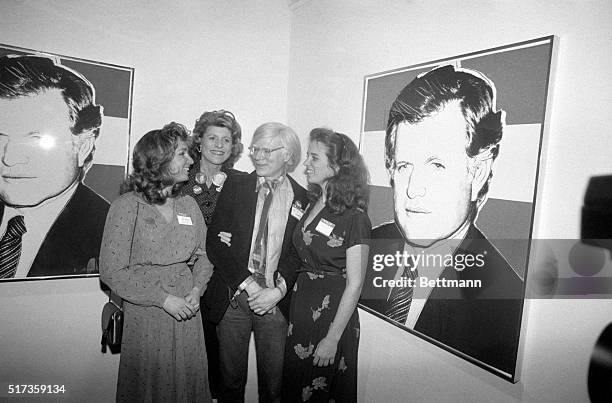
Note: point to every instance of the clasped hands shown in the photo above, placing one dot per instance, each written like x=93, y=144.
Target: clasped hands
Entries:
x=183, y=308
x=261, y=300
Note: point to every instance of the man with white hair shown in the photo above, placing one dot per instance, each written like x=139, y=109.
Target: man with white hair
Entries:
x=250, y=245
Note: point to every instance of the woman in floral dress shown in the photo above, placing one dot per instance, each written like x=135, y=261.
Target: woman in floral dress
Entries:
x=152, y=235
x=332, y=240
x=215, y=147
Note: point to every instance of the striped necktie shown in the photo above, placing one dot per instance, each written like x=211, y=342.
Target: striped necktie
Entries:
x=400, y=299
x=261, y=240
x=10, y=247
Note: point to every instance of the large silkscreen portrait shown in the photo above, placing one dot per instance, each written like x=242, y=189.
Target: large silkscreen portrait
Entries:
x=453, y=148
x=64, y=132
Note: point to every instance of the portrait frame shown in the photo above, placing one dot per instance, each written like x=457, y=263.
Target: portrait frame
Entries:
x=113, y=90
x=521, y=73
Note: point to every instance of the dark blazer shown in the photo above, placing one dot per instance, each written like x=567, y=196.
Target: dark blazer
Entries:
x=207, y=200
x=235, y=213
x=74, y=238
x=483, y=323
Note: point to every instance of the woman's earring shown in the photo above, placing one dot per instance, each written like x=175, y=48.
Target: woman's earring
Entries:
x=200, y=148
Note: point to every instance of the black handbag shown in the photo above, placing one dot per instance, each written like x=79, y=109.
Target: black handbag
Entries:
x=112, y=326
x=112, y=313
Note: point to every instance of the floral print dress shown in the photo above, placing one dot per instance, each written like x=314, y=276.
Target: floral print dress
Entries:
x=314, y=302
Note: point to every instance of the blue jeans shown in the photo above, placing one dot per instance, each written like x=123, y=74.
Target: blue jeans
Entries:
x=234, y=333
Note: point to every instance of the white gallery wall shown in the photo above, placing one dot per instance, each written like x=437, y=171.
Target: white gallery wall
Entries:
x=335, y=43
x=188, y=56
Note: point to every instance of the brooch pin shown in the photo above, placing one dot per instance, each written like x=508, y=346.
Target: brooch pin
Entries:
x=200, y=178
x=219, y=179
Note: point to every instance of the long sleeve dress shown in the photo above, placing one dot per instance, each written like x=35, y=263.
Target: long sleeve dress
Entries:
x=143, y=258
x=314, y=303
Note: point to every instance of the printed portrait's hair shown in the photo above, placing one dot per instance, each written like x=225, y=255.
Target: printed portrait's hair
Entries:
x=429, y=93
x=23, y=76
x=151, y=163
x=220, y=118
x=288, y=138
x=348, y=188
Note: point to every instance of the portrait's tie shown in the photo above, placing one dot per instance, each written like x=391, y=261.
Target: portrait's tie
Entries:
x=10, y=247
x=399, y=301
x=259, y=252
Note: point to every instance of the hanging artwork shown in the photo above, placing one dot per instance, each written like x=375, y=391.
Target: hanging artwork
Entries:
x=454, y=150
x=64, y=140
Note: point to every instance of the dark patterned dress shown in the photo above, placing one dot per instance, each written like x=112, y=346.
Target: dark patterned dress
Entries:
x=316, y=295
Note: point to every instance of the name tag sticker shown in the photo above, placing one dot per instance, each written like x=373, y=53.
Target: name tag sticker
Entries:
x=325, y=227
x=296, y=212
x=184, y=220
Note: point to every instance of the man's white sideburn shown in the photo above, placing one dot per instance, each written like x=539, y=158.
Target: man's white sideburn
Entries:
x=480, y=168
x=84, y=145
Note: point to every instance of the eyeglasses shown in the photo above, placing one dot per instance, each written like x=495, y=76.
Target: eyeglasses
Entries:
x=266, y=152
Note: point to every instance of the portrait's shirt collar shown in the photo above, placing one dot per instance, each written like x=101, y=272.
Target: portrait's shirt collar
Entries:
x=38, y=221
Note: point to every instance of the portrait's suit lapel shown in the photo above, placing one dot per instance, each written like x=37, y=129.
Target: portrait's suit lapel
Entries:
x=482, y=322
x=446, y=302
x=74, y=238
x=386, y=240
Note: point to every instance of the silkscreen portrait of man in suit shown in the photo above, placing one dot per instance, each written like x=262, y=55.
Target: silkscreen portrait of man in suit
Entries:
x=51, y=223
x=432, y=269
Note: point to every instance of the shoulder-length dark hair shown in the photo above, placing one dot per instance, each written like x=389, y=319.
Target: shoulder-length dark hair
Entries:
x=349, y=187
x=151, y=163
x=220, y=118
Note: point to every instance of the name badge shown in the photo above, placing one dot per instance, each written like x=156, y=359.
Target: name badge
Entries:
x=184, y=220
x=296, y=212
x=325, y=227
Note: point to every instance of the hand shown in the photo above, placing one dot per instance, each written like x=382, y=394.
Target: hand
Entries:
x=226, y=238
x=193, y=298
x=265, y=299
x=178, y=308
x=252, y=287
x=325, y=352
x=199, y=252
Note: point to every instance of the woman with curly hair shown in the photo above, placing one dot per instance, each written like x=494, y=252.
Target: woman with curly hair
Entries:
x=215, y=147
x=332, y=240
x=151, y=235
